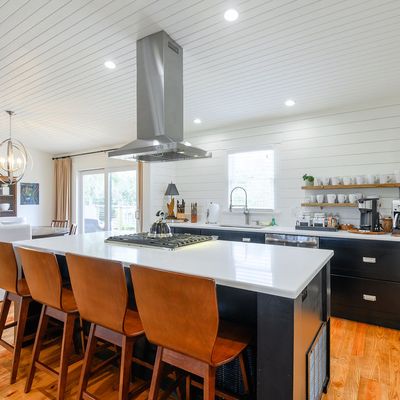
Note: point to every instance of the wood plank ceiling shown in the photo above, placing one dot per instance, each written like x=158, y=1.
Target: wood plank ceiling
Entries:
x=323, y=53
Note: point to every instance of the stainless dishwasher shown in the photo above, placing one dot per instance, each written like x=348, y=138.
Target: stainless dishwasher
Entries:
x=281, y=239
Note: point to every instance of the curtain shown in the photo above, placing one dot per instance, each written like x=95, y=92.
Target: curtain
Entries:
x=140, y=194
x=63, y=186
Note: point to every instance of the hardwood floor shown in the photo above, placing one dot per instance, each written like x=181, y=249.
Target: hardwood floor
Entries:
x=365, y=366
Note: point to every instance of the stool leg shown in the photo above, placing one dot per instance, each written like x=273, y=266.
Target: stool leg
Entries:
x=244, y=374
x=66, y=349
x=188, y=387
x=19, y=338
x=209, y=384
x=5, y=308
x=85, y=373
x=36, y=348
x=157, y=374
x=125, y=370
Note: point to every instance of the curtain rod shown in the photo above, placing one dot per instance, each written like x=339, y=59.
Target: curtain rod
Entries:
x=83, y=154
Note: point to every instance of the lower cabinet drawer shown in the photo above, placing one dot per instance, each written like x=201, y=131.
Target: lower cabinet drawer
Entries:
x=366, y=300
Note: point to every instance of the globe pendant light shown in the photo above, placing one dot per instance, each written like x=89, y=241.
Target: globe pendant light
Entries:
x=13, y=159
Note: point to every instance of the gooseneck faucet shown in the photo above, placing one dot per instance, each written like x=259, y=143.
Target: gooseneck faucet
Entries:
x=246, y=211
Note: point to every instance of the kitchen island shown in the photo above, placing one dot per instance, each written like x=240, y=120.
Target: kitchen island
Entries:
x=283, y=293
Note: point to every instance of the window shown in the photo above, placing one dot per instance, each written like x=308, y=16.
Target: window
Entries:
x=254, y=171
x=108, y=200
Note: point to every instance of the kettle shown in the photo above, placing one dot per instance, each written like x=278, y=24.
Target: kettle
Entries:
x=160, y=228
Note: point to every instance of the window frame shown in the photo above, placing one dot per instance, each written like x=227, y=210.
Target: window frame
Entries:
x=249, y=150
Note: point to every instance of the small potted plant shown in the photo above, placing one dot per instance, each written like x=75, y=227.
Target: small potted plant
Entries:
x=308, y=180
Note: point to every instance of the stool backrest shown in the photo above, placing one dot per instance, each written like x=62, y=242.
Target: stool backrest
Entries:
x=100, y=290
x=8, y=268
x=179, y=312
x=42, y=274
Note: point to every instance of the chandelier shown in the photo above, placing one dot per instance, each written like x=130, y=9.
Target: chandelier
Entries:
x=13, y=159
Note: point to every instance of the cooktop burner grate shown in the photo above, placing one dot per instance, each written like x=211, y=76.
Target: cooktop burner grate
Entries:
x=170, y=242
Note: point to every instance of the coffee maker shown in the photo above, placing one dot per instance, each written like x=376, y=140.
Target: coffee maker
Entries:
x=369, y=216
x=396, y=217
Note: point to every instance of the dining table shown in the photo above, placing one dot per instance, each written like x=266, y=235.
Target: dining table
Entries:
x=40, y=232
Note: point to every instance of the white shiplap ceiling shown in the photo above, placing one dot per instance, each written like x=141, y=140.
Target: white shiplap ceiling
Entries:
x=324, y=54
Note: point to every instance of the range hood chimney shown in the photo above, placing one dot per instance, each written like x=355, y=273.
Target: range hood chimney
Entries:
x=159, y=94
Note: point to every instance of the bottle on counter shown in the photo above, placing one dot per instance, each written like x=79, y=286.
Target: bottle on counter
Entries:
x=193, y=213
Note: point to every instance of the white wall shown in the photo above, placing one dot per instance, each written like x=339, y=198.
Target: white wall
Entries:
x=41, y=172
x=351, y=142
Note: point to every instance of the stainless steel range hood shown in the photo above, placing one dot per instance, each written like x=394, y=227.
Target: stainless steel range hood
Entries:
x=159, y=90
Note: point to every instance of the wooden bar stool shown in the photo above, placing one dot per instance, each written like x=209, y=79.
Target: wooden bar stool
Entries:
x=101, y=294
x=180, y=315
x=18, y=292
x=44, y=280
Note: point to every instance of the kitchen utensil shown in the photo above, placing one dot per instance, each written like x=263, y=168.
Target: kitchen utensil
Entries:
x=213, y=213
x=336, y=181
x=371, y=179
x=342, y=198
x=387, y=224
x=180, y=209
x=320, y=198
x=347, y=180
x=5, y=206
x=360, y=180
x=160, y=228
x=331, y=198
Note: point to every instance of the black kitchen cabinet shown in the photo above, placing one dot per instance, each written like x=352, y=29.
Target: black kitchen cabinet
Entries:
x=179, y=229
x=365, y=280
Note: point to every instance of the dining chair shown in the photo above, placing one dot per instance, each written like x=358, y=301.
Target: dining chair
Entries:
x=58, y=223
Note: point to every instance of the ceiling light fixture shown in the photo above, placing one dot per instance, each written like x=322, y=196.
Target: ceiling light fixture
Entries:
x=13, y=159
x=109, y=64
x=197, y=121
x=231, y=15
x=290, y=103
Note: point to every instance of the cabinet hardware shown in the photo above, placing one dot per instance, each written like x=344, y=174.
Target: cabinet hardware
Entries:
x=369, y=297
x=369, y=260
x=246, y=240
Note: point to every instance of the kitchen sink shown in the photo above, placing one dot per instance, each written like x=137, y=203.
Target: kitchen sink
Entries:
x=242, y=226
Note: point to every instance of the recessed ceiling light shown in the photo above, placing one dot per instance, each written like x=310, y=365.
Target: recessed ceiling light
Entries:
x=197, y=121
x=290, y=103
x=231, y=15
x=109, y=64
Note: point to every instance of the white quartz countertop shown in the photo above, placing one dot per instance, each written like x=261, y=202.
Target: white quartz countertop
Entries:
x=276, y=270
x=289, y=231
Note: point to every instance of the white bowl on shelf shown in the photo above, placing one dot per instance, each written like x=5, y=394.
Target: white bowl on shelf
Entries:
x=4, y=206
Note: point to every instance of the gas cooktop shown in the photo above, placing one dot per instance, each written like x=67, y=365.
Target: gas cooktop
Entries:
x=170, y=242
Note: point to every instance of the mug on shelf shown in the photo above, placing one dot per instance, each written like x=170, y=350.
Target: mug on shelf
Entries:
x=384, y=178
x=360, y=180
x=336, y=181
x=397, y=176
x=352, y=198
x=331, y=198
x=347, y=180
x=342, y=198
x=320, y=198
x=371, y=179
x=326, y=181
x=313, y=198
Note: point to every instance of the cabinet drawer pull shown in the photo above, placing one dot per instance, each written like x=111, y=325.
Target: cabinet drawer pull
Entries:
x=369, y=297
x=369, y=260
x=246, y=240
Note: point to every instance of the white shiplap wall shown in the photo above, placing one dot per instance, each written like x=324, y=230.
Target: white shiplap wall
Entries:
x=359, y=141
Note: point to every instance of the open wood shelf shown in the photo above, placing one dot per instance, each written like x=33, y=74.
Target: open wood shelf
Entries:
x=328, y=205
x=364, y=186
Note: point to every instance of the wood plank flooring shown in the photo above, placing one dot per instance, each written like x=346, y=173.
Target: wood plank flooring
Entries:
x=365, y=366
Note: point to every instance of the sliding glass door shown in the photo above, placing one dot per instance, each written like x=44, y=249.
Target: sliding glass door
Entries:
x=108, y=200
